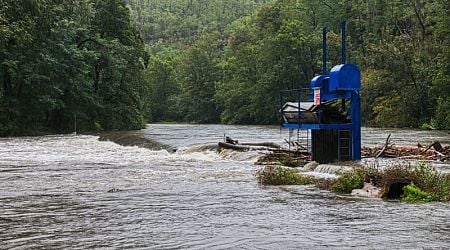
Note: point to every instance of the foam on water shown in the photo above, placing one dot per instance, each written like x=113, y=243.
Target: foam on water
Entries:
x=332, y=169
x=320, y=175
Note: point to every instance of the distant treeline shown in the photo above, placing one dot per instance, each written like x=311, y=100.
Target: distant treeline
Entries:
x=116, y=64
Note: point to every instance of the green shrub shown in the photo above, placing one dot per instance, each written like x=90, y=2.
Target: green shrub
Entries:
x=428, y=179
x=425, y=177
x=441, y=118
x=348, y=181
x=274, y=175
x=427, y=184
x=411, y=193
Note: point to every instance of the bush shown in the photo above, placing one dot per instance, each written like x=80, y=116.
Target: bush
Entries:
x=411, y=193
x=428, y=179
x=274, y=175
x=425, y=178
x=348, y=181
x=441, y=118
x=425, y=182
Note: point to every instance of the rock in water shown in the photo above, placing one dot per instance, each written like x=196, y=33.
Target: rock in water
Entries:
x=310, y=166
x=369, y=191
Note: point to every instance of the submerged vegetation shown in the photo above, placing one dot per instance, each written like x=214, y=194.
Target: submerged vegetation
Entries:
x=348, y=181
x=422, y=176
x=420, y=183
x=277, y=175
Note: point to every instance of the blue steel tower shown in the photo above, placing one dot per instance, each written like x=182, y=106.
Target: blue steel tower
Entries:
x=332, y=112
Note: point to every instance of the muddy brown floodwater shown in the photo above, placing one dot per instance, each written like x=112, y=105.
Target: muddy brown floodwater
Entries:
x=76, y=192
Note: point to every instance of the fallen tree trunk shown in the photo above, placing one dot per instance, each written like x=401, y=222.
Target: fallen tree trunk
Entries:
x=240, y=147
x=245, y=147
x=263, y=144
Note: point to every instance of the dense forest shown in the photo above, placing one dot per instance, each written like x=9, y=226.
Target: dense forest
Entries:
x=116, y=64
x=220, y=70
x=66, y=62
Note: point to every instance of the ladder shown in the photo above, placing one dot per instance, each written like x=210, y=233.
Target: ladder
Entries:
x=344, y=145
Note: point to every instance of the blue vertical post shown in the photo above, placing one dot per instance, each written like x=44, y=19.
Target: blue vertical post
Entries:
x=324, y=51
x=356, y=125
x=299, y=110
x=281, y=107
x=344, y=50
x=339, y=144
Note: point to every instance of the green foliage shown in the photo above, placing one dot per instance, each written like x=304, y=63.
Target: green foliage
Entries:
x=261, y=60
x=400, y=46
x=432, y=181
x=425, y=178
x=213, y=61
x=195, y=33
x=67, y=60
x=348, y=181
x=412, y=194
x=272, y=175
x=163, y=83
x=199, y=74
x=441, y=120
x=178, y=22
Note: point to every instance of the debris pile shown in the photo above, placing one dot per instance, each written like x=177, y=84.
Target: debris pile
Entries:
x=433, y=152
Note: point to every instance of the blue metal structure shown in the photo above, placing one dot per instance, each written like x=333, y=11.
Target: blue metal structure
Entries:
x=331, y=140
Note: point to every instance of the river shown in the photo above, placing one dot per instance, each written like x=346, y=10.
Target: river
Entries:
x=76, y=192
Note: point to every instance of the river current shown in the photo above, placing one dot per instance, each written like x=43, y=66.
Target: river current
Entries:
x=76, y=192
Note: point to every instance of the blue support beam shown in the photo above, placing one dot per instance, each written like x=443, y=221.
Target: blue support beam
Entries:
x=344, y=36
x=317, y=126
x=324, y=51
x=356, y=125
x=342, y=83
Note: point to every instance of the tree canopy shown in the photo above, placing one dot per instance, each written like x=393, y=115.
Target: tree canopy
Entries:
x=400, y=46
x=70, y=61
x=115, y=64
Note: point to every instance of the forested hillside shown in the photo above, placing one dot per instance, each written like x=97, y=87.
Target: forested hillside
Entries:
x=233, y=74
x=402, y=48
x=182, y=21
x=187, y=40
x=116, y=64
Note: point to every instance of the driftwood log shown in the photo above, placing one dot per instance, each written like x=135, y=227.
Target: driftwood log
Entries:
x=265, y=146
x=240, y=147
x=230, y=143
x=262, y=144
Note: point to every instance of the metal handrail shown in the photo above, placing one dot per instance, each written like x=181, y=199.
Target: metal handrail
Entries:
x=299, y=91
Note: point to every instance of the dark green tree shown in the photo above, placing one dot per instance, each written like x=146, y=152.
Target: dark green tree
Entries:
x=199, y=74
x=59, y=66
